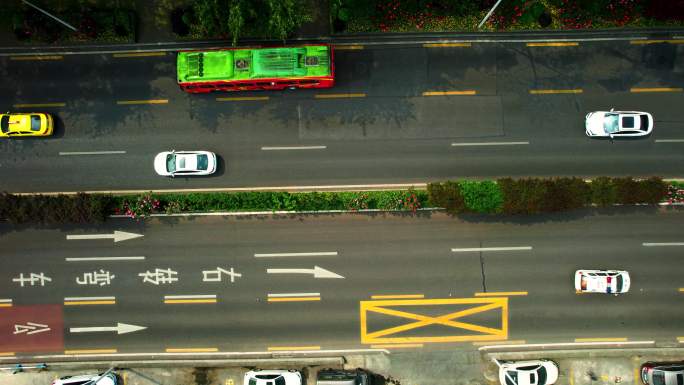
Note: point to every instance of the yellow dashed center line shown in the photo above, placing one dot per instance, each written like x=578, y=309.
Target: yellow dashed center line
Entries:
x=191, y=350
x=672, y=41
x=332, y=96
x=505, y=342
x=175, y=301
x=91, y=351
x=5, y=305
x=399, y=296
x=294, y=299
x=139, y=54
x=620, y=339
x=500, y=293
x=656, y=89
x=554, y=44
x=680, y=339
x=37, y=57
x=241, y=98
x=440, y=45
x=72, y=303
x=396, y=346
x=681, y=289
x=544, y=92
x=6, y=354
x=348, y=47
x=292, y=348
x=26, y=105
x=152, y=101
x=446, y=93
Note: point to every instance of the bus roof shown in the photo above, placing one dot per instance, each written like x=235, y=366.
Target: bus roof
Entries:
x=259, y=63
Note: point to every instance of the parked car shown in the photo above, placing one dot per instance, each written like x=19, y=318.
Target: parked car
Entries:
x=615, y=124
x=602, y=281
x=662, y=373
x=273, y=377
x=173, y=163
x=90, y=379
x=534, y=372
x=13, y=125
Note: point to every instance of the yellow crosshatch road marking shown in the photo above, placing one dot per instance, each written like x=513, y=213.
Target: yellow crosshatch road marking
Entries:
x=500, y=293
x=554, y=44
x=139, y=54
x=398, y=296
x=37, y=57
x=446, y=93
x=439, y=45
x=389, y=308
x=91, y=351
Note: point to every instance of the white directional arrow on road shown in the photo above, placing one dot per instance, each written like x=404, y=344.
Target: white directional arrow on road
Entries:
x=119, y=329
x=318, y=272
x=118, y=236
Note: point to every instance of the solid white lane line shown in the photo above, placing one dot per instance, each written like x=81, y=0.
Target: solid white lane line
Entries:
x=488, y=144
x=89, y=298
x=465, y=250
x=277, y=295
x=5, y=300
x=105, y=259
x=294, y=148
x=199, y=296
x=563, y=344
x=655, y=244
x=313, y=254
x=91, y=152
x=669, y=140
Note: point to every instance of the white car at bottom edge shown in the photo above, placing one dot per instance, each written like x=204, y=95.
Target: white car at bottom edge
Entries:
x=532, y=372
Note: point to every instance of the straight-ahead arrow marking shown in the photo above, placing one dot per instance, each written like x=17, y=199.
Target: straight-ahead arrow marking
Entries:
x=118, y=236
x=119, y=329
x=318, y=272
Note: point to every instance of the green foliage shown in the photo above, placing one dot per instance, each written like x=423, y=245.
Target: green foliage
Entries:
x=481, y=197
x=447, y=195
x=603, y=191
x=44, y=209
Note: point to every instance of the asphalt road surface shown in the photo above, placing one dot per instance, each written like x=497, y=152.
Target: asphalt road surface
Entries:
x=382, y=123
x=407, y=281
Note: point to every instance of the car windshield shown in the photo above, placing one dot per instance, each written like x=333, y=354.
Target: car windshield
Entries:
x=658, y=378
x=252, y=381
x=512, y=375
x=171, y=163
x=280, y=380
x=35, y=123
x=611, y=123
x=202, y=162
x=619, y=283
x=4, y=124
x=542, y=375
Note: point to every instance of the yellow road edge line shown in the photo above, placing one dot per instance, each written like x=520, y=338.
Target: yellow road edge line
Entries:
x=656, y=89
x=504, y=342
x=619, y=339
x=191, y=350
x=242, y=98
x=71, y=303
x=500, y=293
x=5, y=305
x=554, y=44
x=393, y=346
x=139, y=54
x=294, y=299
x=671, y=41
x=680, y=339
x=398, y=296
x=37, y=57
x=572, y=378
x=637, y=377
x=25, y=105
x=289, y=348
x=152, y=101
x=348, y=47
x=174, y=301
x=332, y=96
x=91, y=351
x=545, y=92
x=6, y=354
x=446, y=93
x=681, y=289
x=439, y=45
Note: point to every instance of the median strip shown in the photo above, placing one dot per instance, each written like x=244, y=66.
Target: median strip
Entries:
x=547, y=92
x=334, y=96
x=449, y=93
x=34, y=105
x=72, y=301
x=151, y=101
x=241, y=98
x=655, y=89
x=201, y=298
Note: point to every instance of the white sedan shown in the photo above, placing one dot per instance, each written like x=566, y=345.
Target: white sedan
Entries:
x=618, y=123
x=172, y=163
x=273, y=377
x=602, y=281
x=535, y=372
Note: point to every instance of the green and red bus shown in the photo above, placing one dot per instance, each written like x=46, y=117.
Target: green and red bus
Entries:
x=243, y=69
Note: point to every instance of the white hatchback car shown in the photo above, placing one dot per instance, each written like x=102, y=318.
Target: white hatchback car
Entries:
x=89, y=379
x=615, y=124
x=534, y=372
x=181, y=163
x=273, y=377
x=602, y=281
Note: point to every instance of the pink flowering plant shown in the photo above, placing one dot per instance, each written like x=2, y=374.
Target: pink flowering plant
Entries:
x=675, y=194
x=144, y=205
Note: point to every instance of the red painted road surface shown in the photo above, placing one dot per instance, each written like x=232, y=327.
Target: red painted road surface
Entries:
x=24, y=329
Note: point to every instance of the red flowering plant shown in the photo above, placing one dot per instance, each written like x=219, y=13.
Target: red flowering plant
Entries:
x=675, y=194
x=573, y=15
x=507, y=13
x=622, y=12
x=144, y=205
x=410, y=200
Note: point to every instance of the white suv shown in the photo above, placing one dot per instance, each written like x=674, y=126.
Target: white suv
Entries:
x=89, y=379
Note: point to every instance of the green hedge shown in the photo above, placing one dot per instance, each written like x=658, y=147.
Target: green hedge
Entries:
x=79, y=208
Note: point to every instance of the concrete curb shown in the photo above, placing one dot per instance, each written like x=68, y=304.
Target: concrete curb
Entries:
x=280, y=212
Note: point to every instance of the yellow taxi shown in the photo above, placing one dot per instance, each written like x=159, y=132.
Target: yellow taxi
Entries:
x=25, y=124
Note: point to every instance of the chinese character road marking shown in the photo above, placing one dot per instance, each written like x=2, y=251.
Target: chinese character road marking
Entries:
x=32, y=278
x=159, y=276
x=102, y=278
x=215, y=275
x=30, y=328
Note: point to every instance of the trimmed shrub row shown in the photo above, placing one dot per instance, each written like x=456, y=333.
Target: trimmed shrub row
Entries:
x=79, y=208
